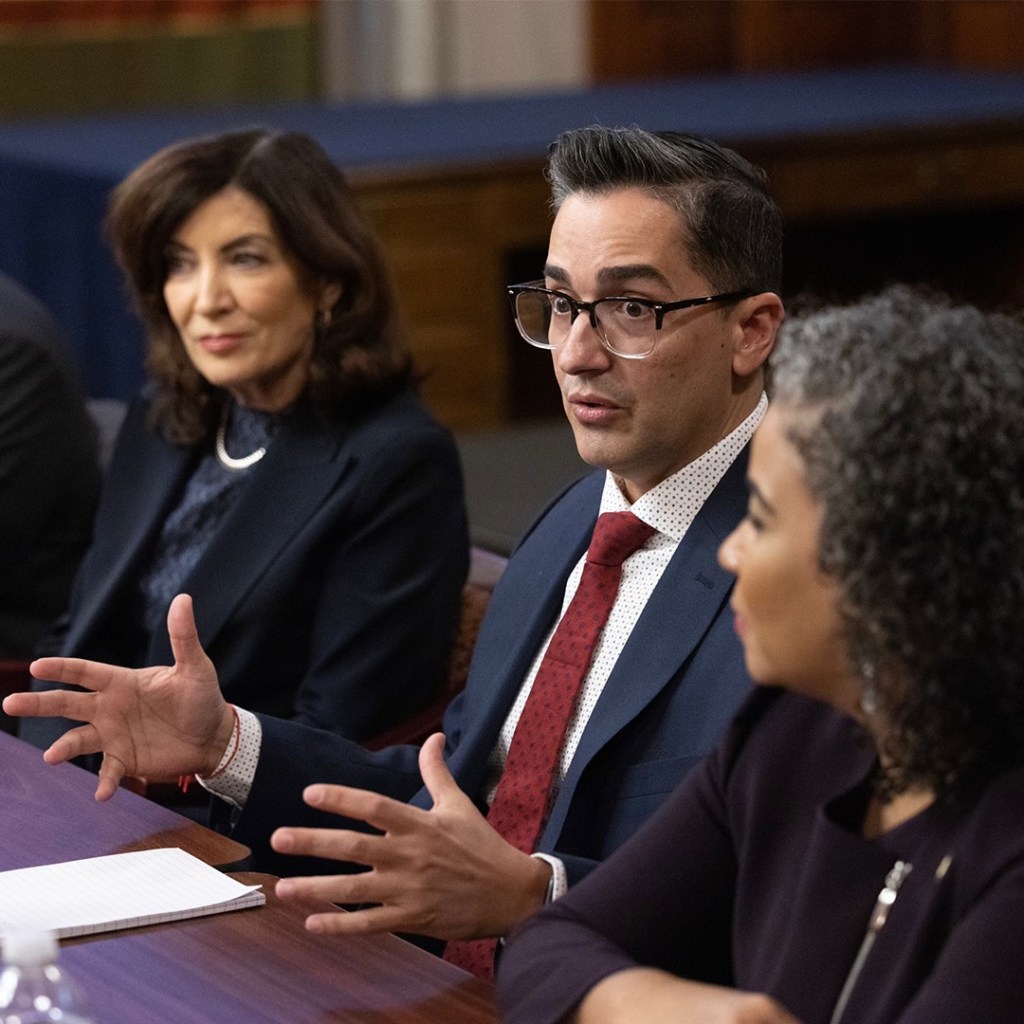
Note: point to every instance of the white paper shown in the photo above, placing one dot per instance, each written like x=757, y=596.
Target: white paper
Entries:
x=123, y=890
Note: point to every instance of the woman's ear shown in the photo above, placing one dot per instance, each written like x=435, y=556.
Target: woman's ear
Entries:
x=760, y=318
x=329, y=295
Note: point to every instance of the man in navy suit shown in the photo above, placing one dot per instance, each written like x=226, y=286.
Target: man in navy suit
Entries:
x=659, y=305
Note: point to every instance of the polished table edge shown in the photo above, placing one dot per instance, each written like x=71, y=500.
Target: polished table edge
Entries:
x=51, y=815
x=260, y=964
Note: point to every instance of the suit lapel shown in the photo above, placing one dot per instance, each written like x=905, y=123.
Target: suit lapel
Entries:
x=135, y=519
x=688, y=597
x=298, y=472
x=526, y=602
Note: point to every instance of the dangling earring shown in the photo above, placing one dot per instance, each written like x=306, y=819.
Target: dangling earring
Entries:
x=868, y=690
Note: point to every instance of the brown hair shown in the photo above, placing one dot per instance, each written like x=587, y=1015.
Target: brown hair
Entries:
x=359, y=358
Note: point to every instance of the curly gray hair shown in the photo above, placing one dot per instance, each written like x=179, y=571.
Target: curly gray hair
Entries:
x=915, y=449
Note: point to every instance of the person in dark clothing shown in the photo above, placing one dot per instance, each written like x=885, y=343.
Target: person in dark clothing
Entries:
x=49, y=472
x=853, y=851
x=279, y=466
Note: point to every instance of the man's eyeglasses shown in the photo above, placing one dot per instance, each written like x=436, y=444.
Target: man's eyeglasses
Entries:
x=626, y=325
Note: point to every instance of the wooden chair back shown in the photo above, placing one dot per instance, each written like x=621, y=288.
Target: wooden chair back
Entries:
x=484, y=571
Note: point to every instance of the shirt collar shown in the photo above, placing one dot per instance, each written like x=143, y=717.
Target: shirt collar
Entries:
x=671, y=506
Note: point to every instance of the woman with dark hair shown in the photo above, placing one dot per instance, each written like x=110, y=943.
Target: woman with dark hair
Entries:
x=279, y=467
x=853, y=851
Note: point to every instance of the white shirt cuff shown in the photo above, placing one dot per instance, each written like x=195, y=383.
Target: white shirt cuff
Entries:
x=232, y=783
x=559, y=884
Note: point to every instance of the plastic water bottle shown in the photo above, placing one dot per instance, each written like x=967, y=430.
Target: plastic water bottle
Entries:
x=33, y=989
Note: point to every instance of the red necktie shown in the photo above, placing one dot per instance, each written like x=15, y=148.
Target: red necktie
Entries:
x=523, y=798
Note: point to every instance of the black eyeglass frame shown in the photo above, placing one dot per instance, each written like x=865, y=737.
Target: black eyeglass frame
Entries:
x=576, y=306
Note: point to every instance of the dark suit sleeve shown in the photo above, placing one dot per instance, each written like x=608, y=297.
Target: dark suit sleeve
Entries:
x=39, y=418
x=28, y=383
x=49, y=481
x=576, y=868
x=386, y=617
x=293, y=756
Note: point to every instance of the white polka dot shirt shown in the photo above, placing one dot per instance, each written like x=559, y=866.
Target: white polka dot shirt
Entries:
x=670, y=508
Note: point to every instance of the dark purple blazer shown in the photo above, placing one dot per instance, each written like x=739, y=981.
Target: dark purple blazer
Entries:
x=755, y=875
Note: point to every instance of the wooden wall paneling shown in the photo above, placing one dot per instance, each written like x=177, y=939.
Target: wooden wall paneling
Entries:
x=446, y=236
x=944, y=207
x=983, y=34
x=439, y=255
x=520, y=225
x=646, y=39
x=776, y=35
x=974, y=255
x=874, y=172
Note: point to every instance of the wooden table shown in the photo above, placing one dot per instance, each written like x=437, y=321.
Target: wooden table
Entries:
x=50, y=815
x=254, y=966
x=260, y=966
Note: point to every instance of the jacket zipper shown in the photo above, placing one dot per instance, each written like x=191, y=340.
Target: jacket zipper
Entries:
x=886, y=898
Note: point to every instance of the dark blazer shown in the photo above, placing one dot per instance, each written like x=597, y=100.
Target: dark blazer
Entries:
x=331, y=591
x=756, y=874
x=49, y=472
x=677, y=682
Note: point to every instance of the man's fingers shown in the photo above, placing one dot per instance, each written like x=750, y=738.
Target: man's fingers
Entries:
x=358, y=922
x=353, y=889
x=181, y=629
x=364, y=887
x=74, y=743
x=111, y=773
x=436, y=776
x=90, y=674
x=50, y=703
x=22, y=704
x=381, y=812
x=335, y=844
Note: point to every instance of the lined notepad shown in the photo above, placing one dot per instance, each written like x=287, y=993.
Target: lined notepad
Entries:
x=124, y=890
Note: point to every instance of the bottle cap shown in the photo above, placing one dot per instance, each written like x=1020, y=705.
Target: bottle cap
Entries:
x=29, y=947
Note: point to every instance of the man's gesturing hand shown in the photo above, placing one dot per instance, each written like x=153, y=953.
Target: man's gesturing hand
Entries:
x=156, y=723
x=444, y=872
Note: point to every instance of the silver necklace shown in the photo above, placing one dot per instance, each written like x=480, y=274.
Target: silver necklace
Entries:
x=222, y=453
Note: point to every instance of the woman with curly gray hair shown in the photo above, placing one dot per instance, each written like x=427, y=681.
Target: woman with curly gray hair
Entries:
x=853, y=851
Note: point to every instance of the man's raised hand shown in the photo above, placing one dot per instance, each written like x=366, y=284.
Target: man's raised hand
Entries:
x=445, y=872
x=156, y=723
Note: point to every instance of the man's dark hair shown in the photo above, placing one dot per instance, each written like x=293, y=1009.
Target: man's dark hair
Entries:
x=730, y=223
